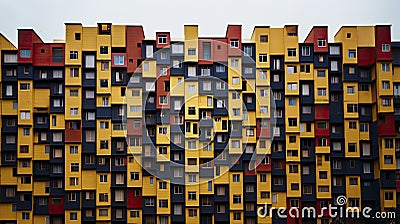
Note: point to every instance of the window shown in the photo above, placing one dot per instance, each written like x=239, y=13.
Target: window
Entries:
x=388, y=196
x=276, y=78
x=263, y=57
x=334, y=50
x=73, y=181
x=73, y=55
x=234, y=43
x=192, y=51
x=162, y=39
x=353, y=181
x=25, y=215
x=385, y=47
x=178, y=209
x=73, y=112
x=236, y=112
x=305, y=68
x=352, y=54
x=237, y=216
x=351, y=89
x=220, y=68
x=292, y=122
x=364, y=127
x=235, y=81
x=192, y=212
x=192, y=196
x=352, y=108
x=352, y=147
x=305, y=51
x=385, y=84
x=74, y=72
x=292, y=69
x=25, y=115
x=264, y=38
x=321, y=43
x=292, y=101
x=388, y=159
x=385, y=67
x=388, y=143
x=177, y=49
x=237, y=199
x=321, y=74
x=334, y=66
x=25, y=86
x=292, y=52
x=321, y=91
x=9, y=90
x=292, y=86
x=248, y=50
x=386, y=102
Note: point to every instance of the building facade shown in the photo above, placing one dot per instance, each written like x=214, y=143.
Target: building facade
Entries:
x=111, y=127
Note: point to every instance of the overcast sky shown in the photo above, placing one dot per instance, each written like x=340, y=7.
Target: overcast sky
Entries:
x=47, y=17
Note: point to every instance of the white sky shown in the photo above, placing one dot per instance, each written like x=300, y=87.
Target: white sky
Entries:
x=47, y=17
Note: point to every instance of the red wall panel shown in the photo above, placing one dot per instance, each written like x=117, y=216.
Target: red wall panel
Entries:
x=131, y=130
x=133, y=201
x=366, y=56
x=386, y=125
x=234, y=32
x=72, y=135
x=382, y=36
x=219, y=50
x=134, y=37
x=322, y=112
x=56, y=209
x=263, y=132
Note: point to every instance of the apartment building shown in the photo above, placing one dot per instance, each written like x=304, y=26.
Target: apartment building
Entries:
x=112, y=127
